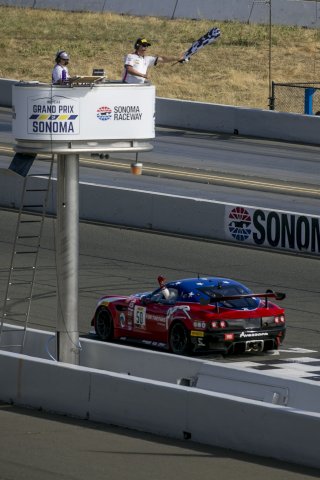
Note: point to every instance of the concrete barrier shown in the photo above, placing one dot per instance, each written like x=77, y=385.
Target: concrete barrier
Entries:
x=284, y=12
x=159, y=366
x=201, y=374
x=256, y=428
x=292, y=127
x=150, y=210
x=205, y=415
x=6, y=92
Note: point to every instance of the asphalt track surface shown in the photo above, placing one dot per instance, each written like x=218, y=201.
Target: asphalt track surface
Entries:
x=35, y=445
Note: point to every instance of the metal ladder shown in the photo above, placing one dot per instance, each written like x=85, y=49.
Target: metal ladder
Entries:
x=24, y=261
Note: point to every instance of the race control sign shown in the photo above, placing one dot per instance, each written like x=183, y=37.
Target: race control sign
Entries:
x=270, y=228
x=85, y=113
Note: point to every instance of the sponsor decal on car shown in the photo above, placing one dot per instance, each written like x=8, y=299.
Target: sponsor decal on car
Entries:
x=153, y=343
x=139, y=316
x=198, y=324
x=195, y=333
x=122, y=319
x=253, y=334
x=156, y=318
x=182, y=310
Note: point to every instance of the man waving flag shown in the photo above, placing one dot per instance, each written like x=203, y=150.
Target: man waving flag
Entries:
x=206, y=39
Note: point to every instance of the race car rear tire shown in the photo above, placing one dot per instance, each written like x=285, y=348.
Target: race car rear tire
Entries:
x=179, y=339
x=104, y=325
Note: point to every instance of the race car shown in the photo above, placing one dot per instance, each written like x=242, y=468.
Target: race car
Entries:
x=194, y=314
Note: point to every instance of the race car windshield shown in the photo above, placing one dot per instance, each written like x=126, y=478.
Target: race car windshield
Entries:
x=215, y=292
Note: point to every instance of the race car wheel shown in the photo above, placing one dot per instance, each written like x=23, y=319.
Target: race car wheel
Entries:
x=104, y=325
x=179, y=340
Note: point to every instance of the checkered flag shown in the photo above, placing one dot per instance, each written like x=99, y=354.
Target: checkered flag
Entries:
x=206, y=39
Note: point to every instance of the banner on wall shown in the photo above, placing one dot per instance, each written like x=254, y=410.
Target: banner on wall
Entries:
x=271, y=228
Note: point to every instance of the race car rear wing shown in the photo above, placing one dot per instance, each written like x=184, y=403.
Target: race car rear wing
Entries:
x=218, y=299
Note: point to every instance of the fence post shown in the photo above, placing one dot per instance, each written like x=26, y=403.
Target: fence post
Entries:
x=308, y=100
x=271, y=99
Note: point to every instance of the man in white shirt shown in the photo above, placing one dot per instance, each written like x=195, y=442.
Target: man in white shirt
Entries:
x=136, y=64
x=60, y=73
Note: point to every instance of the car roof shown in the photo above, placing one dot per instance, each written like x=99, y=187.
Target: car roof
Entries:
x=189, y=284
x=193, y=290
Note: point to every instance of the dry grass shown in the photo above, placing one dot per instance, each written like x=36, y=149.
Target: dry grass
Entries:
x=234, y=71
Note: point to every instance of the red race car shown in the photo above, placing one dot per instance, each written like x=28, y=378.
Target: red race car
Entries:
x=211, y=314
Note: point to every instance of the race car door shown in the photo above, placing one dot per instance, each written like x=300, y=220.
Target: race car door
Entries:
x=157, y=313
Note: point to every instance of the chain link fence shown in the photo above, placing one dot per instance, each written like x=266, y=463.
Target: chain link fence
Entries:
x=295, y=97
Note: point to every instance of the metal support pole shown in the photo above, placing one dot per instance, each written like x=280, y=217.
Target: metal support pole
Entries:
x=272, y=98
x=68, y=349
x=271, y=86
x=270, y=46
